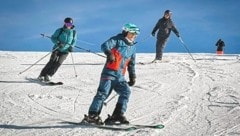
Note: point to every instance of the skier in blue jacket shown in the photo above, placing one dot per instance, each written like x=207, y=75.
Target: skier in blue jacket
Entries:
x=64, y=40
x=121, y=53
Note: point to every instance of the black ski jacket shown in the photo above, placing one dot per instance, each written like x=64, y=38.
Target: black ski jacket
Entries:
x=164, y=27
x=220, y=44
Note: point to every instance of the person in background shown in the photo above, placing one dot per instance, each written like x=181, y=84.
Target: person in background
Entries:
x=64, y=39
x=121, y=54
x=164, y=27
x=220, y=44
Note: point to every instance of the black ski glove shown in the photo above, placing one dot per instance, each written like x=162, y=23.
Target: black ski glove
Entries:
x=110, y=57
x=178, y=35
x=132, y=80
x=60, y=44
x=70, y=49
x=153, y=34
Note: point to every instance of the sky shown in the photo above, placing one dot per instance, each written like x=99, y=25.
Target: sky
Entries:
x=200, y=23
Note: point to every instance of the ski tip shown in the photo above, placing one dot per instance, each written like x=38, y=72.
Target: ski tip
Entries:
x=54, y=83
x=160, y=126
x=60, y=83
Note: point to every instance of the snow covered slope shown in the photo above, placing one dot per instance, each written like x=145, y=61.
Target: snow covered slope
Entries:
x=189, y=98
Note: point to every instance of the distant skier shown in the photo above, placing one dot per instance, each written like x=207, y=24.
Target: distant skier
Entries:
x=164, y=27
x=220, y=44
x=64, y=39
x=121, y=53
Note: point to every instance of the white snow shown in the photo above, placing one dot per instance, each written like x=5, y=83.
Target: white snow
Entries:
x=190, y=98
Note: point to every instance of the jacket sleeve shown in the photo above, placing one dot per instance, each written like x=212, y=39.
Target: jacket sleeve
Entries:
x=217, y=43
x=55, y=36
x=174, y=29
x=74, y=41
x=131, y=66
x=156, y=27
x=108, y=45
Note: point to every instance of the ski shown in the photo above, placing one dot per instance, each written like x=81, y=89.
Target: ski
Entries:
x=125, y=127
x=154, y=62
x=54, y=83
x=107, y=127
x=157, y=126
x=50, y=83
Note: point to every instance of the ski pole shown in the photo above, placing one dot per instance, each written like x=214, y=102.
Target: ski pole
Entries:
x=38, y=61
x=90, y=51
x=80, y=48
x=74, y=65
x=147, y=37
x=82, y=41
x=43, y=35
x=86, y=42
x=105, y=103
x=185, y=46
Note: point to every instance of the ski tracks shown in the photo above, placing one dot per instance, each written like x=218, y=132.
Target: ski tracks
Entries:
x=220, y=101
x=224, y=102
x=47, y=104
x=161, y=91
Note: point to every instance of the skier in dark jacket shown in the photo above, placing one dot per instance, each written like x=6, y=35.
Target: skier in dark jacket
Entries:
x=64, y=40
x=164, y=27
x=121, y=53
x=220, y=44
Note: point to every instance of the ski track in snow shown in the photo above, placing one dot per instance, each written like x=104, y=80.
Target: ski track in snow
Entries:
x=189, y=98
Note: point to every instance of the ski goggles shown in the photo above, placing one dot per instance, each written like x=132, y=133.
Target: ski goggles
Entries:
x=68, y=24
x=134, y=32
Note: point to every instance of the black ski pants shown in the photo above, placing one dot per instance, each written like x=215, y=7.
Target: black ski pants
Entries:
x=54, y=63
x=160, y=45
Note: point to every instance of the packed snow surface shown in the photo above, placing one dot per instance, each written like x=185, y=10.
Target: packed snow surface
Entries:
x=200, y=98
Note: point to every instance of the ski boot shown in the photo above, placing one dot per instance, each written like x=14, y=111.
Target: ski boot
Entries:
x=41, y=78
x=116, y=120
x=46, y=78
x=156, y=61
x=92, y=119
x=117, y=117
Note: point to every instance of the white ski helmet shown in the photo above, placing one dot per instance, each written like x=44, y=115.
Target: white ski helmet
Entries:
x=132, y=28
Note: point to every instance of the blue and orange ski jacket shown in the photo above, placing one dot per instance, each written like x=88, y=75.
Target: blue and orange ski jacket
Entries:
x=125, y=55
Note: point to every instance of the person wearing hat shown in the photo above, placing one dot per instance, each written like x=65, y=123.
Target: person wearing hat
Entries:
x=64, y=39
x=121, y=52
x=164, y=27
